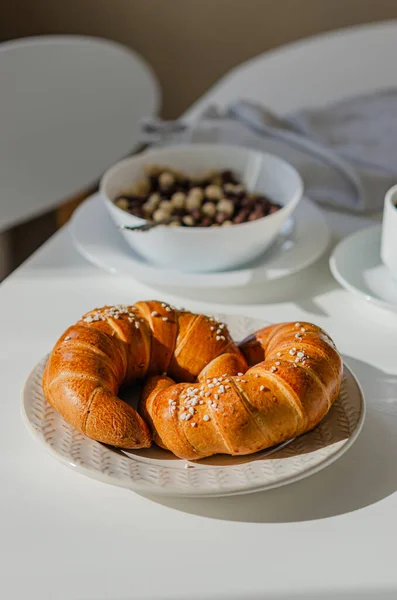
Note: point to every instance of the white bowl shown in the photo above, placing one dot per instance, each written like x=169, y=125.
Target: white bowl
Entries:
x=195, y=249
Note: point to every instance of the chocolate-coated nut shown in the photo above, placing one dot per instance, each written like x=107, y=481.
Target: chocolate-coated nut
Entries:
x=248, y=202
x=255, y=215
x=196, y=214
x=221, y=218
x=153, y=183
x=166, y=180
x=241, y=216
x=228, y=177
x=209, y=209
x=206, y=222
x=213, y=192
x=274, y=208
x=184, y=184
x=225, y=206
x=122, y=203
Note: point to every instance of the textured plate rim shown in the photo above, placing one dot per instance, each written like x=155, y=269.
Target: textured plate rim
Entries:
x=175, y=491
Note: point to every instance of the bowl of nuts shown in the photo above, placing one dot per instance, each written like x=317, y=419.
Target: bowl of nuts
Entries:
x=205, y=207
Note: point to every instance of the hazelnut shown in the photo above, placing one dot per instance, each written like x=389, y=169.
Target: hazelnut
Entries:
x=175, y=224
x=166, y=180
x=198, y=192
x=148, y=209
x=225, y=206
x=193, y=202
x=122, y=203
x=153, y=200
x=160, y=215
x=151, y=203
x=209, y=209
x=213, y=192
x=188, y=220
x=166, y=206
x=178, y=200
x=227, y=223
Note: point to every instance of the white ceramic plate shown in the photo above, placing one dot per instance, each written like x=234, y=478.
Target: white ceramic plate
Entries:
x=155, y=471
x=357, y=266
x=98, y=240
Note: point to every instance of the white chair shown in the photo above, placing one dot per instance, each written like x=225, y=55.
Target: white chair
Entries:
x=314, y=71
x=70, y=107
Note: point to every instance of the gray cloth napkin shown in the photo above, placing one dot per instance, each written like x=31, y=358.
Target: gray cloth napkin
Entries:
x=346, y=152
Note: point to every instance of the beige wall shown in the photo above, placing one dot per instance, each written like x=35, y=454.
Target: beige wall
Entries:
x=191, y=43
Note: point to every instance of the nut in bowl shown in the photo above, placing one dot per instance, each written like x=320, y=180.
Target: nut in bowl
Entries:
x=216, y=178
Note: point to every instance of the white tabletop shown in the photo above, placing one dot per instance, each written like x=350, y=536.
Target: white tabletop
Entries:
x=65, y=536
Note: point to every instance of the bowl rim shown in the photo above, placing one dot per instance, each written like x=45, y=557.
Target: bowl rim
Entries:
x=190, y=147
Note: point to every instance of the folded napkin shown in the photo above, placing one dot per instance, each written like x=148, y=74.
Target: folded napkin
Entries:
x=345, y=152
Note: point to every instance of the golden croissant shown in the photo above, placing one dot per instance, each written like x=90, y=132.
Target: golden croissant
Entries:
x=222, y=406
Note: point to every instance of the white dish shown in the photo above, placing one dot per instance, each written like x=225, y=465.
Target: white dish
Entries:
x=100, y=242
x=155, y=471
x=357, y=266
x=205, y=249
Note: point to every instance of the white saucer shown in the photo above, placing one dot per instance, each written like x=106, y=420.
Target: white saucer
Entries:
x=303, y=241
x=356, y=265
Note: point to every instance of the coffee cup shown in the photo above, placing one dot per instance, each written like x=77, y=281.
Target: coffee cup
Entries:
x=388, y=246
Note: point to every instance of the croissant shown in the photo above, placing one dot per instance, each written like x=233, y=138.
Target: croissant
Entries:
x=116, y=345
x=295, y=377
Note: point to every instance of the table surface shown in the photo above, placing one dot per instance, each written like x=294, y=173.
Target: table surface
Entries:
x=65, y=536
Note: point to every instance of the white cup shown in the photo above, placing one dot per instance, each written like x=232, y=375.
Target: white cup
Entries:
x=388, y=246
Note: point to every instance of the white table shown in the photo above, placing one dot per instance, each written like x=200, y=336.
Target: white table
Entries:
x=64, y=536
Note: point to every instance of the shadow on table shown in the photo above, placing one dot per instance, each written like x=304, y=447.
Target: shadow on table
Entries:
x=364, y=475
x=303, y=287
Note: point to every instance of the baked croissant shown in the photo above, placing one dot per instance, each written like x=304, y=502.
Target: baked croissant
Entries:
x=117, y=345
x=295, y=377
